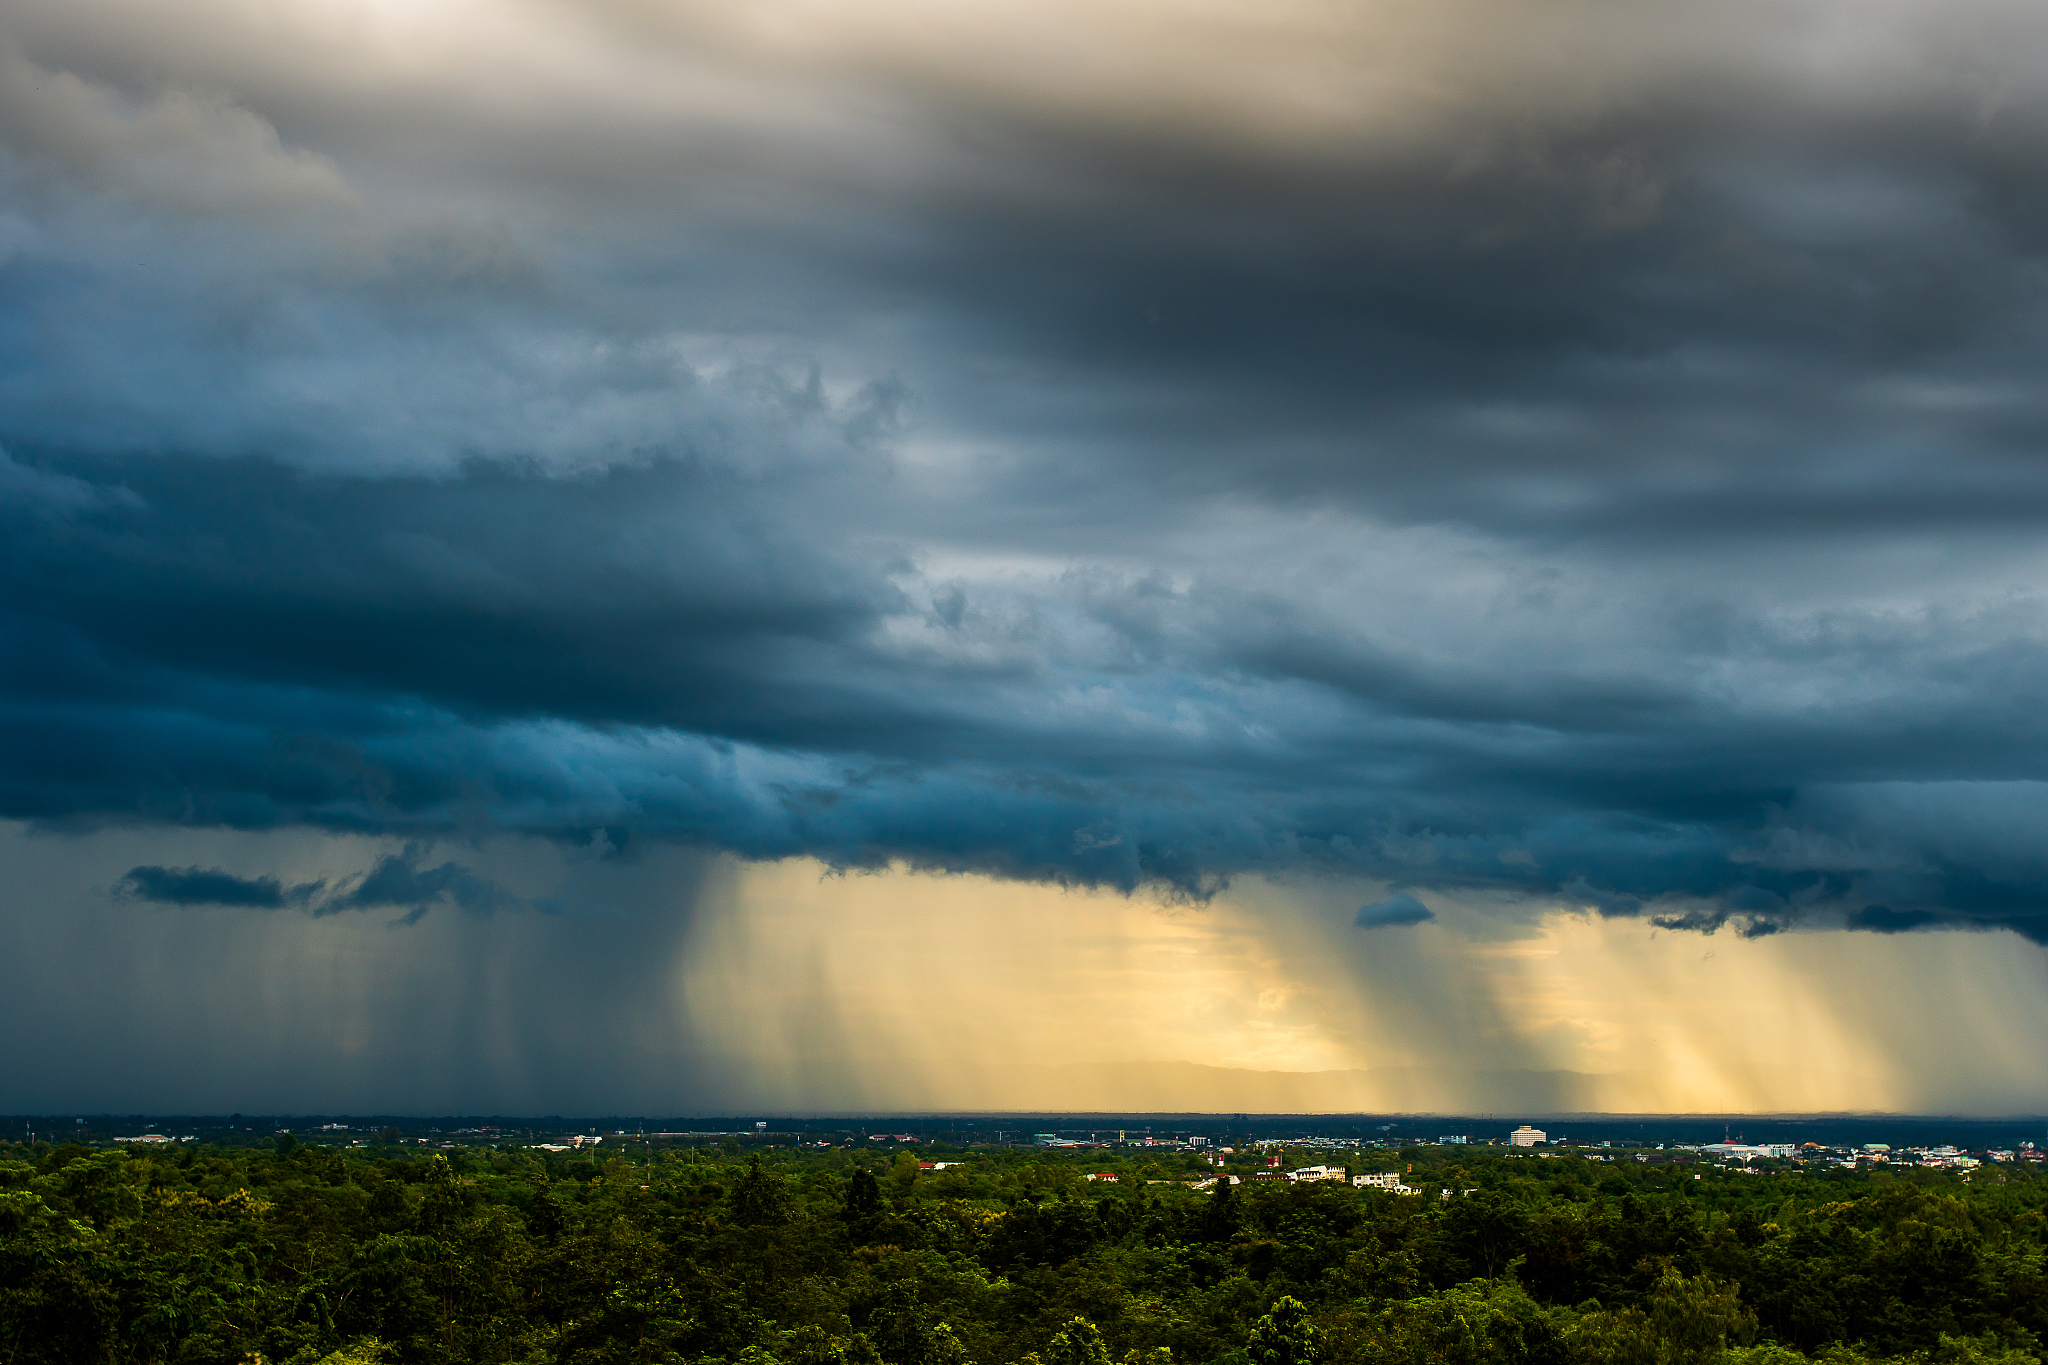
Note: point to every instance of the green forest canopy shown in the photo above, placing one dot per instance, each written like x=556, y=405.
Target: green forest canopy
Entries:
x=301, y=1254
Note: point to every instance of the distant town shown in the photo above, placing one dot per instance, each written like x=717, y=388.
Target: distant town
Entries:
x=1259, y=1150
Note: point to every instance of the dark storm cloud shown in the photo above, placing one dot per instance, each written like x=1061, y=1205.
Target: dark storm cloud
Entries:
x=1617, y=485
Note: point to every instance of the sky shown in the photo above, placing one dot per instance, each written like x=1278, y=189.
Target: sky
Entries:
x=649, y=556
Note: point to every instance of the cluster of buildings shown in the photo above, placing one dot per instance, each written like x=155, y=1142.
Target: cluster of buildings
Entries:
x=1869, y=1154
x=1737, y=1151
x=1935, y=1158
x=1199, y=1143
x=1124, y=1138
x=1740, y=1154
x=571, y=1143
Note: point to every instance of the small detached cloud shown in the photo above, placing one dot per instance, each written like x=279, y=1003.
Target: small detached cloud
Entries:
x=212, y=886
x=1711, y=920
x=398, y=881
x=1395, y=911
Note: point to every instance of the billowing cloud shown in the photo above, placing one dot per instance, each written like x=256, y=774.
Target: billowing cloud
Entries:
x=1396, y=910
x=1594, y=467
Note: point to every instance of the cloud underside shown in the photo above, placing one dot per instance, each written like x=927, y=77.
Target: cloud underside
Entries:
x=1397, y=910
x=1370, y=448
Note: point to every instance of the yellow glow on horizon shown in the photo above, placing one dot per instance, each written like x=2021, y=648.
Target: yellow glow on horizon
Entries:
x=681, y=982
x=901, y=989
x=926, y=981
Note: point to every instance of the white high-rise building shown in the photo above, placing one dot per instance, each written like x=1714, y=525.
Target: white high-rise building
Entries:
x=1525, y=1136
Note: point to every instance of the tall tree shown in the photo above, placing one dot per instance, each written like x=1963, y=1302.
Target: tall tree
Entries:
x=862, y=1210
x=1078, y=1343
x=1285, y=1336
x=1220, y=1215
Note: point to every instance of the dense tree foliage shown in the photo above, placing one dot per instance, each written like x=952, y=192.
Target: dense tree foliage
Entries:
x=301, y=1254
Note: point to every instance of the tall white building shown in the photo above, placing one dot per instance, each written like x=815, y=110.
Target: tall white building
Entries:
x=1525, y=1136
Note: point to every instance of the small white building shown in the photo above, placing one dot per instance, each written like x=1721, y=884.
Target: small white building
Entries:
x=1743, y=1151
x=1316, y=1173
x=1382, y=1180
x=1525, y=1136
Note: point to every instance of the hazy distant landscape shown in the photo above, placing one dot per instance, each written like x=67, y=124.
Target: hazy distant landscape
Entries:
x=1018, y=1128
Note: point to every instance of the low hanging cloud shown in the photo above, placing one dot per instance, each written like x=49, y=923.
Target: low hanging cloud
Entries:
x=396, y=881
x=212, y=886
x=1883, y=919
x=1397, y=910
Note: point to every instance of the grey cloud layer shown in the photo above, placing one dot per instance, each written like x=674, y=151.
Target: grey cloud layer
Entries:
x=1616, y=480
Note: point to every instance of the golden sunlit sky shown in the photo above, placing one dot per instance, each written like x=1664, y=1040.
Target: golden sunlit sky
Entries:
x=689, y=983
